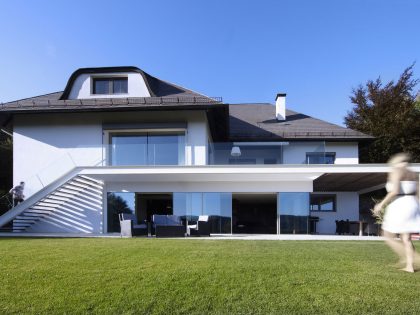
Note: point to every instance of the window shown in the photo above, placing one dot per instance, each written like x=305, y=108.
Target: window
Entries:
x=320, y=158
x=110, y=86
x=147, y=148
x=323, y=203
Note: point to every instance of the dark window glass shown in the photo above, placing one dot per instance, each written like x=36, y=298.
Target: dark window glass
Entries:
x=148, y=149
x=323, y=203
x=110, y=86
x=320, y=158
x=120, y=86
x=101, y=86
x=119, y=203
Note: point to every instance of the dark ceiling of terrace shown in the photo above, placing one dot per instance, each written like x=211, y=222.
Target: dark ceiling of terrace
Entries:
x=348, y=181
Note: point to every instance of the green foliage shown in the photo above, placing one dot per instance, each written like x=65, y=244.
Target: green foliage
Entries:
x=6, y=169
x=379, y=216
x=389, y=112
x=155, y=276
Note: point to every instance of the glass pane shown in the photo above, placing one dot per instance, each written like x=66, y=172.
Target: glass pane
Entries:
x=322, y=203
x=120, y=86
x=219, y=208
x=119, y=203
x=165, y=149
x=101, y=86
x=129, y=150
x=327, y=205
x=293, y=210
x=329, y=158
x=320, y=158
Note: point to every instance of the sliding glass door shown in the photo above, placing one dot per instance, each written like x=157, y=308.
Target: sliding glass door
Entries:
x=293, y=212
x=157, y=148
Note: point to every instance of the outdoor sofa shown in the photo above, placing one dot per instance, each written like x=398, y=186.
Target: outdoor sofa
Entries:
x=168, y=226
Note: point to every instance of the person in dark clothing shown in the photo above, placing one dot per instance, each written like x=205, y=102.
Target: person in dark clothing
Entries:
x=18, y=195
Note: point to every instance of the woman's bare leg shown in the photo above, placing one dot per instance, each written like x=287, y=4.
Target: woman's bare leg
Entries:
x=409, y=252
x=395, y=245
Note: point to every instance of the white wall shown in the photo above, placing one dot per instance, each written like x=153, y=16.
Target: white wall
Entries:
x=347, y=208
x=346, y=152
x=47, y=146
x=295, y=152
x=82, y=86
x=196, y=142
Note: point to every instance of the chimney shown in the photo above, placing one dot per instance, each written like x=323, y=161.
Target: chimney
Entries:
x=281, y=106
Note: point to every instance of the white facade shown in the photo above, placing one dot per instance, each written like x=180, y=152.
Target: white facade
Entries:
x=46, y=147
x=83, y=86
x=49, y=147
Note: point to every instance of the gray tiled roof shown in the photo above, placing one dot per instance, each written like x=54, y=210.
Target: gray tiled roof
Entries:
x=250, y=122
x=258, y=122
x=162, y=93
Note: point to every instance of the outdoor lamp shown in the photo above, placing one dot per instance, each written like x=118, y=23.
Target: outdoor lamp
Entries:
x=236, y=151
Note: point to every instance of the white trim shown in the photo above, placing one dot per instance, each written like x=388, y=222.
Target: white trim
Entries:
x=261, y=143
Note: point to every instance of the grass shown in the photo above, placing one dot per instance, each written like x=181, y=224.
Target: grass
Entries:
x=154, y=276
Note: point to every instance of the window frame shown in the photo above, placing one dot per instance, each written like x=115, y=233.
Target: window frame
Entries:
x=333, y=154
x=110, y=85
x=108, y=134
x=334, y=197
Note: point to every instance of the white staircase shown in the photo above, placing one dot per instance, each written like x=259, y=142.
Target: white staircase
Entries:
x=61, y=203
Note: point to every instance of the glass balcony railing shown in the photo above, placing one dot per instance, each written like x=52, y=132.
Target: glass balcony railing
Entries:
x=179, y=153
x=237, y=153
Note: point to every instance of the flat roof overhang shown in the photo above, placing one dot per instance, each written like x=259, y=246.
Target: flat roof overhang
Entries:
x=350, y=177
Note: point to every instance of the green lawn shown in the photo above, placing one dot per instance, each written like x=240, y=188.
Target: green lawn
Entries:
x=155, y=276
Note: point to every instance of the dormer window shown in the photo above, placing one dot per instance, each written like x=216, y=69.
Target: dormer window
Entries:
x=118, y=85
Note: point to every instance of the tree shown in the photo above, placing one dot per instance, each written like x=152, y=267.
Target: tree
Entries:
x=6, y=169
x=390, y=113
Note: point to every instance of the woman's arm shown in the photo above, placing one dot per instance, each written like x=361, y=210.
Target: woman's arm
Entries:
x=394, y=179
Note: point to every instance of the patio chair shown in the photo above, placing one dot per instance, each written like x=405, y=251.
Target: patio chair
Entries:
x=342, y=227
x=168, y=226
x=130, y=227
x=201, y=228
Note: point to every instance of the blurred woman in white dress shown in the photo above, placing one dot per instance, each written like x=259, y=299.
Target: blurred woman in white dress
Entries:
x=402, y=212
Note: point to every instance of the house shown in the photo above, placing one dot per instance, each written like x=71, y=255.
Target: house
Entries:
x=117, y=139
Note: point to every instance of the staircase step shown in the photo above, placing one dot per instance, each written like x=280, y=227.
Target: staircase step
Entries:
x=59, y=193
x=82, y=185
x=52, y=201
x=92, y=179
x=78, y=190
x=46, y=205
x=85, y=190
x=20, y=220
x=87, y=182
x=58, y=198
x=40, y=211
x=19, y=224
x=30, y=215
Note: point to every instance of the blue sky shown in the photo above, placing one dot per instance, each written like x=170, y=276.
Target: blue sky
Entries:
x=244, y=51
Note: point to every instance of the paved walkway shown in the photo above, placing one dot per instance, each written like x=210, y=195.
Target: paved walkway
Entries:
x=252, y=237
